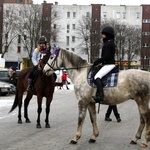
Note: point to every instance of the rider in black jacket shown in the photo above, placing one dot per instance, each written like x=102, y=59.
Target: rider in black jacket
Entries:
x=107, y=60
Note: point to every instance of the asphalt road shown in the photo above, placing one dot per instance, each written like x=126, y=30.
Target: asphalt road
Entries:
x=63, y=121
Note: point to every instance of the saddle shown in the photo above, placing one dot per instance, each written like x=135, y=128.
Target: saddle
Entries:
x=109, y=80
x=35, y=76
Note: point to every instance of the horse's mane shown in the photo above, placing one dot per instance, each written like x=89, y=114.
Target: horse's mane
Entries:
x=75, y=60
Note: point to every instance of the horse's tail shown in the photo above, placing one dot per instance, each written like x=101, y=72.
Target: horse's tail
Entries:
x=15, y=104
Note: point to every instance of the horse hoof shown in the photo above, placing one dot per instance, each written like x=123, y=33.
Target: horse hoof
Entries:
x=143, y=145
x=38, y=126
x=19, y=121
x=47, y=126
x=73, y=142
x=133, y=142
x=92, y=141
x=28, y=121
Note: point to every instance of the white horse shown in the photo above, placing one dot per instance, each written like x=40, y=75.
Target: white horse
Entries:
x=132, y=84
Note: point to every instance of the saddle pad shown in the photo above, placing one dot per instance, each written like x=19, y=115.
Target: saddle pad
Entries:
x=111, y=80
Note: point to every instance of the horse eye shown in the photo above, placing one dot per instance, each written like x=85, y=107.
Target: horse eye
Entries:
x=52, y=57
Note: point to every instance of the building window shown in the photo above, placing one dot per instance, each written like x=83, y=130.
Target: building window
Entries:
x=137, y=15
x=68, y=27
x=25, y=25
x=55, y=14
x=54, y=26
x=145, y=45
x=104, y=15
x=124, y=15
x=87, y=14
x=146, y=20
x=54, y=38
x=24, y=49
x=25, y=37
x=19, y=39
x=18, y=49
x=7, y=13
x=68, y=14
x=118, y=15
x=73, y=49
x=67, y=40
x=74, y=14
x=137, y=26
x=146, y=33
x=19, y=13
x=87, y=27
x=25, y=13
x=73, y=38
x=73, y=26
x=18, y=1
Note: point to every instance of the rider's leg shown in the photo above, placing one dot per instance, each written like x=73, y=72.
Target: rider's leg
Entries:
x=30, y=78
x=99, y=93
x=100, y=74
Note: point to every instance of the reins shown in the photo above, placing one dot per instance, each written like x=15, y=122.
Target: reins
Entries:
x=75, y=68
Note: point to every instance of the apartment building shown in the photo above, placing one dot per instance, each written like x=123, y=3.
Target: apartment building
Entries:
x=68, y=18
x=145, y=43
x=2, y=3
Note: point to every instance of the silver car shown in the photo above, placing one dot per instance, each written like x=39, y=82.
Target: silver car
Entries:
x=6, y=88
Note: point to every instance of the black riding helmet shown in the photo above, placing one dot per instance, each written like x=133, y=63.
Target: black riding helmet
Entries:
x=108, y=31
x=42, y=40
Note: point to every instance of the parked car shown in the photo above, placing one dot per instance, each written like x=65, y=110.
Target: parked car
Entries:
x=4, y=76
x=6, y=88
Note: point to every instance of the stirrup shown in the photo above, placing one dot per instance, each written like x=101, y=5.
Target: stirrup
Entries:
x=29, y=88
x=98, y=99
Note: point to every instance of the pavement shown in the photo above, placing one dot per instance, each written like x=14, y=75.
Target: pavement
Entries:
x=63, y=121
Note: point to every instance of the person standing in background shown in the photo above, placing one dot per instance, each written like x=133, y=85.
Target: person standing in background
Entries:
x=115, y=110
x=64, y=79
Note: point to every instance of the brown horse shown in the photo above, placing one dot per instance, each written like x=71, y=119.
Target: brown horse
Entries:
x=43, y=87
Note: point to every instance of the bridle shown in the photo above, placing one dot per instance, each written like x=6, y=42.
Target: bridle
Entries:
x=54, y=56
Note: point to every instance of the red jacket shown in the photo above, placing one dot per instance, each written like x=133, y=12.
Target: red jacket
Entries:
x=64, y=77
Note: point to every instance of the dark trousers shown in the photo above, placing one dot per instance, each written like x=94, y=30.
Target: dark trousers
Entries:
x=32, y=72
x=114, y=109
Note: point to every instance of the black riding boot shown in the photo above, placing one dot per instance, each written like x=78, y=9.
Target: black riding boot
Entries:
x=99, y=93
x=29, y=88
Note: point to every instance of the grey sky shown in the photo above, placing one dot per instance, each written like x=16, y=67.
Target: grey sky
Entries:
x=88, y=2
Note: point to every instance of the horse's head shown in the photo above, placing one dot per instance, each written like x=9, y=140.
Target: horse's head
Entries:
x=53, y=63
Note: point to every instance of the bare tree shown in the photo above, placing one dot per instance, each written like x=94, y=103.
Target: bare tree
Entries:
x=84, y=34
x=29, y=26
x=55, y=28
x=9, y=27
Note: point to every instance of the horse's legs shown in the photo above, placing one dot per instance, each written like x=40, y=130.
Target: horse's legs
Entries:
x=82, y=113
x=39, y=110
x=147, y=134
x=47, y=110
x=20, y=95
x=92, y=112
x=144, y=119
x=26, y=103
x=140, y=130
